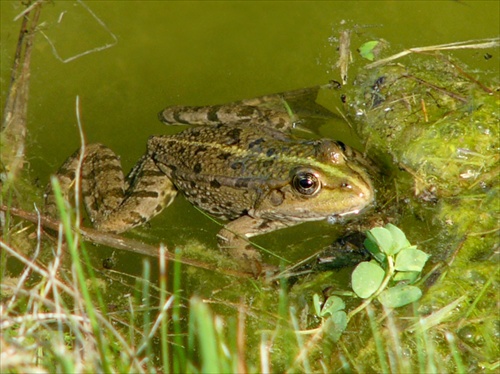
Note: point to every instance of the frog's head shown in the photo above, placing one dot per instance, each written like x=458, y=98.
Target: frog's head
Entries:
x=334, y=183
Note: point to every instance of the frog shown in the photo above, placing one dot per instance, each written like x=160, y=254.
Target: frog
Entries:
x=240, y=162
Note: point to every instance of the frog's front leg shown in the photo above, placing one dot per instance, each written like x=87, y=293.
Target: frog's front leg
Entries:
x=114, y=203
x=233, y=240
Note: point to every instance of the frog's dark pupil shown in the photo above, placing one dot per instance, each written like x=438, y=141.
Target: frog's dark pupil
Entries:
x=306, y=182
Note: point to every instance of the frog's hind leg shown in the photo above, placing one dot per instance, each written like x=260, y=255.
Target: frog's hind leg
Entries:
x=234, y=113
x=147, y=192
x=298, y=104
x=66, y=175
x=114, y=203
x=276, y=99
x=102, y=182
x=281, y=111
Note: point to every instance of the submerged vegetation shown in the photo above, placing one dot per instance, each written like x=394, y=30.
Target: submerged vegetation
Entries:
x=431, y=125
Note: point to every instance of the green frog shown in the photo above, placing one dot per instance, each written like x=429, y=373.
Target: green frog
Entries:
x=238, y=162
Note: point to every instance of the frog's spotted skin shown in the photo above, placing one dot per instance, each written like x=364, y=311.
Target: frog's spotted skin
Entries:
x=114, y=203
x=239, y=164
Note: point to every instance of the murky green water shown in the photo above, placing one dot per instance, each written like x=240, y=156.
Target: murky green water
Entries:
x=199, y=53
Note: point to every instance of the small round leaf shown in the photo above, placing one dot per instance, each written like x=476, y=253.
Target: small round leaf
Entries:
x=398, y=296
x=399, y=238
x=332, y=304
x=366, y=279
x=407, y=276
x=411, y=259
x=372, y=247
x=367, y=50
x=383, y=238
x=339, y=320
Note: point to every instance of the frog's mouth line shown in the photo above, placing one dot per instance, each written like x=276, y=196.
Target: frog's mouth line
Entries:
x=339, y=217
x=333, y=218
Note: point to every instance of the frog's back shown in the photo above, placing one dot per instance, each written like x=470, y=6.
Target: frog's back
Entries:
x=224, y=169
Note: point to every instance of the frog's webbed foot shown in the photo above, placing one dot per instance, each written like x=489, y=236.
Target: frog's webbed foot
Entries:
x=233, y=240
x=237, y=247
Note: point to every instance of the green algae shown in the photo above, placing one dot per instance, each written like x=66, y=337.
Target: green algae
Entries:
x=441, y=126
x=435, y=122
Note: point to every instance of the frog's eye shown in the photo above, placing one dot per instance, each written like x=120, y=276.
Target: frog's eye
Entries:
x=306, y=183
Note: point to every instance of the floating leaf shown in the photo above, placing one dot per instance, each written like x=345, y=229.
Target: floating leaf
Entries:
x=332, y=304
x=367, y=278
x=339, y=320
x=398, y=296
x=372, y=247
x=409, y=276
x=383, y=238
x=367, y=49
x=398, y=236
x=411, y=259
